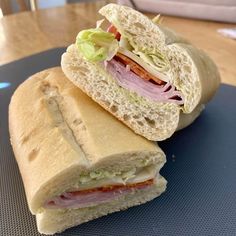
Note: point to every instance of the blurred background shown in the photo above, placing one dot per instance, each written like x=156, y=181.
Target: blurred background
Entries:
x=27, y=28
x=216, y=10
x=13, y=6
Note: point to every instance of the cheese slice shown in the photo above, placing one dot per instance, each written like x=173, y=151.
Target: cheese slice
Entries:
x=104, y=190
x=145, y=65
x=130, y=177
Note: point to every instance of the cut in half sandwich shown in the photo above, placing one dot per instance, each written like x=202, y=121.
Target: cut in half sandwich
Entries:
x=146, y=75
x=77, y=161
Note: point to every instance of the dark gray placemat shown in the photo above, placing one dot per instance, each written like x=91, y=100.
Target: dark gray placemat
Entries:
x=201, y=173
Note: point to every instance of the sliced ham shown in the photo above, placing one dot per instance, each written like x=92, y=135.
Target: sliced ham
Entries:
x=128, y=79
x=91, y=197
x=134, y=77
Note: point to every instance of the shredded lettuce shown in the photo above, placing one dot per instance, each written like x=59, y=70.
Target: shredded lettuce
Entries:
x=157, y=19
x=129, y=174
x=96, y=175
x=99, y=23
x=156, y=60
x=123, y=175
x=96, y=44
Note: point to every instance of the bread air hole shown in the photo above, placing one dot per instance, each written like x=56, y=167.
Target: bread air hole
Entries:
x=74, y=68
x=187, y=68
x=98, y=94
x=136, y=117
x=139, y=25
x=114, y=108
x=106, y=103
x=103, y=82
x=133, y=34
x=126, y=117
x=150, y=122
x=82, y=69
x=140, y=123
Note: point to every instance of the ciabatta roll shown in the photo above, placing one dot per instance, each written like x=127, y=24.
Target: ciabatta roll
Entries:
x=145, y=75
x=77, y=161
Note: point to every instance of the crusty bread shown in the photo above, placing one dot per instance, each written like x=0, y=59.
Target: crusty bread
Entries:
x=192, y=72
x=51, y=221
x=58, y=134
x=187, y=119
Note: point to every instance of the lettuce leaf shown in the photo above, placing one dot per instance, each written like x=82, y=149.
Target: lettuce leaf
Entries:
x=156, y=60
x=97, y=45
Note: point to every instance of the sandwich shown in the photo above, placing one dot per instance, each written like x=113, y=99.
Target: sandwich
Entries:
x=77, y=162
x=144, y=74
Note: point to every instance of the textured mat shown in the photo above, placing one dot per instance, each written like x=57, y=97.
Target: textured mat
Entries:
x=201, y=173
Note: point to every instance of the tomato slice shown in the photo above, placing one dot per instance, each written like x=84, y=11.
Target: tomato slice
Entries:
x=137, y=69
x=112, y=29
x=114, y=187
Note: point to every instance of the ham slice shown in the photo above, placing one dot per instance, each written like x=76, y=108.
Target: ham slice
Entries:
x=129, y=80
x=92, y=197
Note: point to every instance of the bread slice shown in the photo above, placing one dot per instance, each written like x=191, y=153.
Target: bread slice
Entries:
x=191, y=71
x=64, y=142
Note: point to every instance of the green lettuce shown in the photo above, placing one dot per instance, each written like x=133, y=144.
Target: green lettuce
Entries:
x=97, y=45
x=157, y=60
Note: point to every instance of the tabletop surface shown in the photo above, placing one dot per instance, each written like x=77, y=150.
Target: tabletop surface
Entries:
x=27, y=33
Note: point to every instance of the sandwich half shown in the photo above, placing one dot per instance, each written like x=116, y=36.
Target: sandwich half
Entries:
x=143, y=73
x=77, y=161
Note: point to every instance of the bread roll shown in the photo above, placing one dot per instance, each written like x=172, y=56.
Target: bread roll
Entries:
x=189, y=71
x=67, y=147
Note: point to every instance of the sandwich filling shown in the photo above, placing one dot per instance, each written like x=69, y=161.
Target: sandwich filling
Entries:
x=144, y=73
x=95, y=196
x=97, y=190
x=133, y=77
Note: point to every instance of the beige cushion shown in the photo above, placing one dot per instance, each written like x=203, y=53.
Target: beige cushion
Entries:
x=216, y=10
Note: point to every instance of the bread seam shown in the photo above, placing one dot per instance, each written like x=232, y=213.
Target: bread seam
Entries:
x=55, y=98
